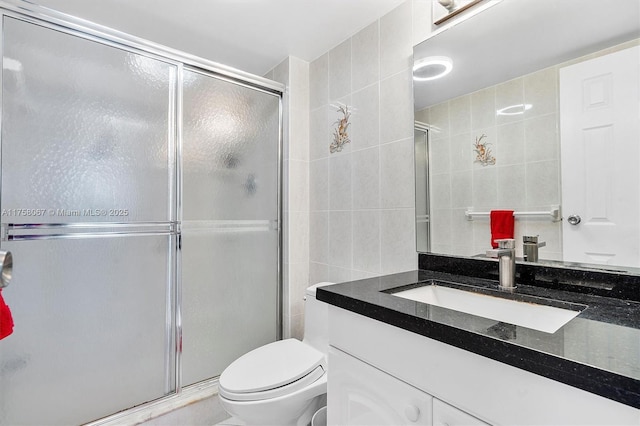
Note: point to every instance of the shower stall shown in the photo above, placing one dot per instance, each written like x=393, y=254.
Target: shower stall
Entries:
x=140, y=197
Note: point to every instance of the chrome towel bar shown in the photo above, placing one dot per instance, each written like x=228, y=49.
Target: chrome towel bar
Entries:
x=553, y=213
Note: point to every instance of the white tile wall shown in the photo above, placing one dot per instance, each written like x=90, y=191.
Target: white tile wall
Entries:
x=365, y=121
x=366, y=240
x=397, y=240
x=397, y=187
x=366, y=178
x=396, y=47
x=340, y=70
x=319, y=82
x=396, y=108
x=319, y=132
x=365, y=57
x=319, y=184
x=340, y=239
x=350, y=215
x=340, y=196
x=319, y=244
x=362, y=199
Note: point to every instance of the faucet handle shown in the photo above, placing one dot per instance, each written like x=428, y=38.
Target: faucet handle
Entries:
x=506, y=247
x=533, y=239
x=506, y=243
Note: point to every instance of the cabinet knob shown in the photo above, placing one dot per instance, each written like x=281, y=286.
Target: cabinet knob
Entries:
x=412, y=412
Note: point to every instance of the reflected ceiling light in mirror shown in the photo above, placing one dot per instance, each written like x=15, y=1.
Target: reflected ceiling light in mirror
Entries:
x=514, y=109
x=431, y=68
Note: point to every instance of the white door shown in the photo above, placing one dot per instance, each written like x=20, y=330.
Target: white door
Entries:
x=600, y=131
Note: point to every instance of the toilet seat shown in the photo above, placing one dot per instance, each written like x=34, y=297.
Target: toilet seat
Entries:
x=273, y=370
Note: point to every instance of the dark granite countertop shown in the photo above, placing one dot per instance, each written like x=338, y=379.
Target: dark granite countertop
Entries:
x=598, y=351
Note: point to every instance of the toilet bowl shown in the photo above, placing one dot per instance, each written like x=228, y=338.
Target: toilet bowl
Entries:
x=284, y=382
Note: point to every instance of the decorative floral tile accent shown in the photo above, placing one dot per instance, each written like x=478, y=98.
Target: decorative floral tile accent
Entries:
x=483, y=152
x=340, y=135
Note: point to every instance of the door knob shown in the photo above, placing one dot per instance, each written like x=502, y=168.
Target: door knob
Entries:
x=574, y=219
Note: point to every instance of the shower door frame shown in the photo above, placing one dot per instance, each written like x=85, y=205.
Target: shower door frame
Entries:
x=51, y=19
x=426, y=217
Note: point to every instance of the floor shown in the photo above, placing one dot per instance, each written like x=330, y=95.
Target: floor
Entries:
x=230, y=422
x=206, y=412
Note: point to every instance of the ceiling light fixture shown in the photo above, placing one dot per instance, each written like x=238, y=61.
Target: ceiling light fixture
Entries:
x=514, y=109
x=432, y=68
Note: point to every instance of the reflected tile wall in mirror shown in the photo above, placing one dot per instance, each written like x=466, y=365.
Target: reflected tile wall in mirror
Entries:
x=526, y=173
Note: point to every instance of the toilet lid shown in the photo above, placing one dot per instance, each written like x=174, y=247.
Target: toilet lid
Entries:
x=271, y=366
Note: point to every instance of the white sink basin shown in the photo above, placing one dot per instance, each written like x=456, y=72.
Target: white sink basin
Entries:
x=531, y=315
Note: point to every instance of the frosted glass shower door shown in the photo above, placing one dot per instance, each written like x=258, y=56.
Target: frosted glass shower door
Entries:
x=87, y=210
x=230, y=229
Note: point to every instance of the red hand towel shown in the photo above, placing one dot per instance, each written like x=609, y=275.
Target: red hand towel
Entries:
x=6, y=321
x=501, y=225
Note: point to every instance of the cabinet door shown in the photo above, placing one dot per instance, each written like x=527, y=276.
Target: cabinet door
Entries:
x=359, y=394
x=446, y=415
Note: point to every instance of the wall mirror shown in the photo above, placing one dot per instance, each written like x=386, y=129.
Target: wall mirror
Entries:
x=537, y=113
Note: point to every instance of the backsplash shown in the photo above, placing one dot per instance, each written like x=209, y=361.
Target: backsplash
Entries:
x=623, y=283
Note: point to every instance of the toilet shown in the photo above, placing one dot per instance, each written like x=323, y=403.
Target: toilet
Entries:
x=284, y=382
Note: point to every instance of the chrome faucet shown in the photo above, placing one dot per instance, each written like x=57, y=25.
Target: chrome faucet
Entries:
x=530, y=246
x=506, y=254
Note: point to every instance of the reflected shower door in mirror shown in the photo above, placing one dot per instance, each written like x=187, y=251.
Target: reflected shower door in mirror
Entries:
x=504, y=133
x=423, y=227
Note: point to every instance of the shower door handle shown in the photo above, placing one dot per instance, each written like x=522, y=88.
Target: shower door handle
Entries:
x=6, y=268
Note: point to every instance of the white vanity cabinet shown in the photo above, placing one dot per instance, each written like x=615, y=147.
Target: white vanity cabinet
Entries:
x=381, y=374
x=361, y=395
x=446, y=415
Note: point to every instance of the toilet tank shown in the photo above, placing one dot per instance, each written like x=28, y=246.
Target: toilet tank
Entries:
x=316, y=323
